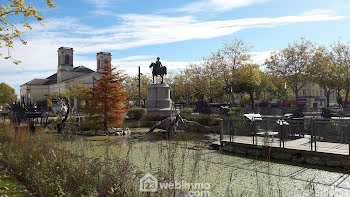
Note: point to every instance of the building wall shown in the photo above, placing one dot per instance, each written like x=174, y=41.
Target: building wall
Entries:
x=314, y=96
x=34, y=93
x=67, y=75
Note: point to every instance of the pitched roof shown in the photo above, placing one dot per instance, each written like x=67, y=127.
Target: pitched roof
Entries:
x=83, y=69
x=51, y=79
x=36, y=82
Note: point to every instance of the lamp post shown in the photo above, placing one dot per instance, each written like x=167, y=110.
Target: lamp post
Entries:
x=139, y=86
x=285, y=97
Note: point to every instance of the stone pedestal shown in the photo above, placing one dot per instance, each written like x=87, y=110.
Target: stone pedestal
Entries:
x=158, y=98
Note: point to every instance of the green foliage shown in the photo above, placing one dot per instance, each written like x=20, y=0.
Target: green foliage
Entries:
x=90, y=123
x=7, y=94
x=76, y=90
x=186, y=111
x=138, y=124
x=234, y=111
x=203, y=119
x=13, y=12
x=9, y=187
x=247, y=80
x=292, y=64
x=137, y=113
x=131, y=86
x=156, y=117
x=181, y=136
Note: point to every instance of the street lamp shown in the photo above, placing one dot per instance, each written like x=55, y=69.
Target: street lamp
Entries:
x=139, y=85
x=285, y=97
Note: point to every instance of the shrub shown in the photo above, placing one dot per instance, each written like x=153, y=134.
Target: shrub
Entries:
x=156, y=117
x=234, y=111
x=90, y=123
x=137, y=113
x=186, y=111
x=50, y=167
x=203, y=119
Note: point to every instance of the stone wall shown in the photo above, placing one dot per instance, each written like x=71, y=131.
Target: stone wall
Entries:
x=299, y=156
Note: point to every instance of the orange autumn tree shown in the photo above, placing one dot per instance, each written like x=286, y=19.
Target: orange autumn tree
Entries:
x=107, y=98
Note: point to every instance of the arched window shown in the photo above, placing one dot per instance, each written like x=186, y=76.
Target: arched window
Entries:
x=98, y=64
x=66, y=59
x=107, y=62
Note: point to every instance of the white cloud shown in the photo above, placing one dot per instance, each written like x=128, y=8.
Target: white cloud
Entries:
x=318, y=12
x=134, y=31
x=142, y=30
x=259, y=57
x=100, y=4
x=216, y=5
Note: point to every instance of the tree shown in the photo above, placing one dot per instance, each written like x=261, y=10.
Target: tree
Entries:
x=233, y=55
x=267, y=90
x=291, y=63
x=247, y=80
x=341, y=59
x=12, y=12
x=131, y=86
x=76, y=90
x=7, y=94
x=324, y=71
x=214, y=83
x=182, y=91
x=108, y=98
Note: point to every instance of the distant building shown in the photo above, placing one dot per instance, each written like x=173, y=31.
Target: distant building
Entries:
x=36, y=90
x=312, y=96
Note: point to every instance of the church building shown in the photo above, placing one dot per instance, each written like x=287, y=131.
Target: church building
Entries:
x=36, y=90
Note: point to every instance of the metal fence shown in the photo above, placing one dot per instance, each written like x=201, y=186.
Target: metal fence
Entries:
x=331, y=136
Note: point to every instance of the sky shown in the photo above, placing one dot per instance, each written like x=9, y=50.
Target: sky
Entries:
x=180, y=32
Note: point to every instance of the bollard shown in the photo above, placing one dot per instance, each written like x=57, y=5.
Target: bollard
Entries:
x=283, y=134
x=348, y=133
x=280, y=135
x=282, y=127
x=221, y=130
x=311, y=133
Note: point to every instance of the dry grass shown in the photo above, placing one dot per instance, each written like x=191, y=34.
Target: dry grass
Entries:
x=50, y=169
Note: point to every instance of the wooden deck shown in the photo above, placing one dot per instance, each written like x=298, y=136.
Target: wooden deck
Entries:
x=297, y=144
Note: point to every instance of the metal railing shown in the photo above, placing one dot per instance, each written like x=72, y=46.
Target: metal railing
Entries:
x=331, y=136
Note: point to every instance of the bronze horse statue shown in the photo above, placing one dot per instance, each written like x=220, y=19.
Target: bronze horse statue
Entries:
x=158, y=69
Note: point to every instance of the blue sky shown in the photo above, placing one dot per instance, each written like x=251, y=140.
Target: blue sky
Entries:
x=178, y=31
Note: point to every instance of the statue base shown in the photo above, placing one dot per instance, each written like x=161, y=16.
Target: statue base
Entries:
x=158, y=98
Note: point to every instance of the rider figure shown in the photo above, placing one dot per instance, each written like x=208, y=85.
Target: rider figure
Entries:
x=158, y=63
x=158, y=69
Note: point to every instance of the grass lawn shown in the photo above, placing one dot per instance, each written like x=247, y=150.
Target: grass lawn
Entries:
x=10, y=187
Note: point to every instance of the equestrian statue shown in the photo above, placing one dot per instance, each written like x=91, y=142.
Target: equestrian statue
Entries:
x=158, y=69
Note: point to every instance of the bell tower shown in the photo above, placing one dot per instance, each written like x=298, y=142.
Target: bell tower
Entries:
x=65, y=63
x=103, y=59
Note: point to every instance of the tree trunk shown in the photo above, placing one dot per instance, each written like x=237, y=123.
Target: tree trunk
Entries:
x=339, y=101
x=251, y=94
x=232, y=99
x=346, y=93
x=327, y=96
x=296, y=90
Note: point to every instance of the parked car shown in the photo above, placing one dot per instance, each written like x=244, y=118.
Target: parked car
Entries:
x=327, y=113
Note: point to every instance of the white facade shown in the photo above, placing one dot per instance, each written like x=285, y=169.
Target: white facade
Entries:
x=314, y=97
x=37, y=90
